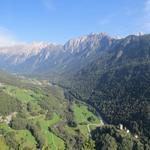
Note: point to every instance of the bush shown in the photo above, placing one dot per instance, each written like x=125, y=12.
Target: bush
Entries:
x=91, y=119
x=72, y=123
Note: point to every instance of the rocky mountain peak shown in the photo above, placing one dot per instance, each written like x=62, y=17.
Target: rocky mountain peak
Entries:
x=27, y=49
x=92, y=41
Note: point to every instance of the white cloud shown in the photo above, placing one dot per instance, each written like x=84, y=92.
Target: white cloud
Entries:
x=7, y=38
x=48, y=4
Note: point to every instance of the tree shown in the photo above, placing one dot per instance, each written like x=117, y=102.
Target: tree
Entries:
x=91, y=119
x=72, y=123
x=106, y=142
x=88, y=145
x=49, y=115
x=29, y=106
x=18, y=123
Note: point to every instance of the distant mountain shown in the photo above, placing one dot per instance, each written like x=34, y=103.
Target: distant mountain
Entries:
x=75, y=57
x=17, y=55
x=111, y=74
x=47, y=58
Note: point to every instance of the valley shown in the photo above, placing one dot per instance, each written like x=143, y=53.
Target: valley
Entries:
x=74, y=75
x=75, y=96
x=43, y=118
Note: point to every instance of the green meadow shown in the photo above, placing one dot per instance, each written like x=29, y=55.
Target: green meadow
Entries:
x=39, y=109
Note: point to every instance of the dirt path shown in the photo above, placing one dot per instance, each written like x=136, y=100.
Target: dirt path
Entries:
x=94, y=124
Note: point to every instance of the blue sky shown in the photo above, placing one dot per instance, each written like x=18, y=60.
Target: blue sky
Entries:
x=59, y=20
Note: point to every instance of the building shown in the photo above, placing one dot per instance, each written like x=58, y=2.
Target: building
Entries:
x=120, y=126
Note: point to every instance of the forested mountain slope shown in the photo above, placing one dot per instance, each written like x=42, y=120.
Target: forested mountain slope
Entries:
x=118, y=84
x=111, y=74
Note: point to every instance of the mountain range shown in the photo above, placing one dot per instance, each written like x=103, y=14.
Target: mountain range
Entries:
x=109, y=73
x=51, y=57
x=76, y=53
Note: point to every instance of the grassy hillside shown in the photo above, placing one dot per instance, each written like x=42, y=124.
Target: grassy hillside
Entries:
x=37, y=116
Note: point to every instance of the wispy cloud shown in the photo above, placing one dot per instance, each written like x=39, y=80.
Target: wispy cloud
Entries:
x=48, y=4
x=7, y=38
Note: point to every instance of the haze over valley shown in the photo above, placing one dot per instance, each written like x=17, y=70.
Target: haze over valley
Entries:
x=82, y=91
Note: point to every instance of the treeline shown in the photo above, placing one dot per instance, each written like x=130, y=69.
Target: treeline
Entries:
x=35, y=131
